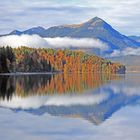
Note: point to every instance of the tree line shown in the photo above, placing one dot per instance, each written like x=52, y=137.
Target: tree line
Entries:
x=7, y=59
x=25, y=59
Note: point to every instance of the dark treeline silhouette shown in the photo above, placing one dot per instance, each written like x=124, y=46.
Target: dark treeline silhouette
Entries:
x=7, y=59
x=7, y=87
x=31, y=62
x=21, y=85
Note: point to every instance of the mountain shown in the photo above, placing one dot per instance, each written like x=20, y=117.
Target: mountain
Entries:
x=96, y=114
x=94, y=28
x=16, y=32
x=136, y=38
x=36, y=30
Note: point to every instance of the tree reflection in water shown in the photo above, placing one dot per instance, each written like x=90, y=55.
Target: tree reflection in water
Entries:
x=7, y=87
x=27, y=85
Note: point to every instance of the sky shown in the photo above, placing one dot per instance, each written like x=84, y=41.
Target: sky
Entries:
x=123, y=15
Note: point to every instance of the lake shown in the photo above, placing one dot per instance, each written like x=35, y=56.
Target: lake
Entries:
x=70, y=107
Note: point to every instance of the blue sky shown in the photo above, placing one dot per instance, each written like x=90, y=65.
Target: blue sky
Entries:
x=123, y=15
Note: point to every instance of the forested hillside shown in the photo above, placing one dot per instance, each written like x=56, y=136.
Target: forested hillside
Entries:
x=26, y=59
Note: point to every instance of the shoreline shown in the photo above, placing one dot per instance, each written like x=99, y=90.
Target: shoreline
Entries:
x=29, y=73
x=49, y=73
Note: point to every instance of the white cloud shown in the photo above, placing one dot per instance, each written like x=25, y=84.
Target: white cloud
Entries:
x=23, y=40
x=75, y=42
x=127, y=90
x=125, y=52
x=115, y=53
x=35, y=102
x=36, y=41
x=131, y=51
x=77, y=100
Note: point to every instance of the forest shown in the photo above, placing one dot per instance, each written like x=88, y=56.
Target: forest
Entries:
x=25, y=59
x=7, y=60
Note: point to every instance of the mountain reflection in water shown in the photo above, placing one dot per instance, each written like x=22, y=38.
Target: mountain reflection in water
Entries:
x=90, y=96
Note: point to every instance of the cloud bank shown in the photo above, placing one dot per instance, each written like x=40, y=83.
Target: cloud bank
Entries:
x=23, y=40
x=75, y=42
x=36, y=41
x=125, y=52
x=36, y=102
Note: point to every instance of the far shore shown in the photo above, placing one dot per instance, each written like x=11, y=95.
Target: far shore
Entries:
x=49, y=73
x=30, y=73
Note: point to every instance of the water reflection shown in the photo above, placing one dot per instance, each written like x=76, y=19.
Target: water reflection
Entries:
x=71, y=95
x=34, y=107
x=89, y=96
x=7, y=87
x=27, y=85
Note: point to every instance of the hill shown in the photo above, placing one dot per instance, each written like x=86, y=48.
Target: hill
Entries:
x=26, y=59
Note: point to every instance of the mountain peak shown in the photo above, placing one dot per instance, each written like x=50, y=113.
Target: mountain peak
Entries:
x=37, y=28
x=96, y=20
x=92, y=22
x=15, y=32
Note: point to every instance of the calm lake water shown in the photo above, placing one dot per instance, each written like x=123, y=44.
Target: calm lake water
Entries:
x=70, y=107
